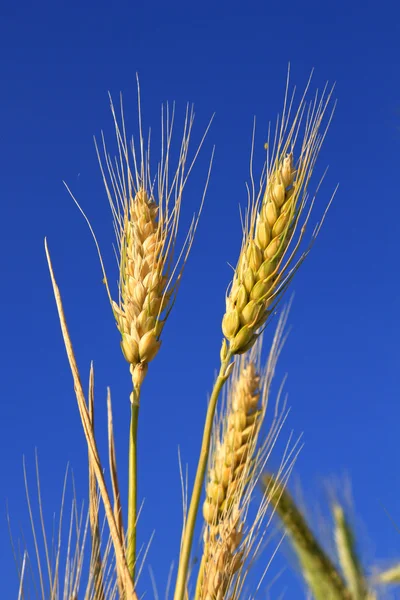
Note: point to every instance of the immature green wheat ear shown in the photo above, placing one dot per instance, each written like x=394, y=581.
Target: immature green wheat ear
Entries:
x=321, y=575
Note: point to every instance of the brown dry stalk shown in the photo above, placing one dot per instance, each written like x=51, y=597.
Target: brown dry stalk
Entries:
x=272, y=237
x=120, y=558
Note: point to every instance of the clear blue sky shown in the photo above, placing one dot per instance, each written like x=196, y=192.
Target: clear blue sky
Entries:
x=57, y=62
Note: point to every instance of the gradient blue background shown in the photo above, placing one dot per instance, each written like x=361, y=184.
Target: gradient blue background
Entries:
x=57, y=63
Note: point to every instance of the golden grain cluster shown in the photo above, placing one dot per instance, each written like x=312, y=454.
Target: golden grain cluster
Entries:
x=253, y=287
x=143, y=285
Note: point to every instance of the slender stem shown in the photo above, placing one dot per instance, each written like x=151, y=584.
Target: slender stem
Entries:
x=188, y=532
x=132, y=491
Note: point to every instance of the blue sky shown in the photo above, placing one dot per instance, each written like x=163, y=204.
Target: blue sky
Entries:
x=57, y=63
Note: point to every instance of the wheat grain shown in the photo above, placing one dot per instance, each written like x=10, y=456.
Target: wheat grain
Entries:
x=236, y=462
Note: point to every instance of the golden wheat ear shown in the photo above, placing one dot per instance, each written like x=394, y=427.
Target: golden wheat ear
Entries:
x=273, y=230
x=146, y=209
x=276, y=221
x=234, y=535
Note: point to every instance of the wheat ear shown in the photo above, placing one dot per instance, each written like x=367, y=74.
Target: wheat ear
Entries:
x=275, y=226
x=264, y=270
x=238, y=458
x=321, y=575
x=227, y=478
x=146, y=212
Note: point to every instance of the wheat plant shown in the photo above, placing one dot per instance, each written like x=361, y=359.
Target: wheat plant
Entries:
x=237, y=438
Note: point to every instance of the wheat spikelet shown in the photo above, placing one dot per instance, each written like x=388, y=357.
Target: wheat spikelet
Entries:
x=262, y=272
x=221, y=558
x=231, y=454
x=146, y=213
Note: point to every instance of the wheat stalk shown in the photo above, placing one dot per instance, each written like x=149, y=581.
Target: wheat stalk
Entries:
x=273, y=231
x=146, y=214
x=96, y=565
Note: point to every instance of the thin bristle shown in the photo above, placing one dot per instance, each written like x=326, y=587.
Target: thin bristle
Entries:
x=57, y=571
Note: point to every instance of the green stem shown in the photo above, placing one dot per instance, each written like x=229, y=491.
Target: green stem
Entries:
x=187, y=539
x=132, y=491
